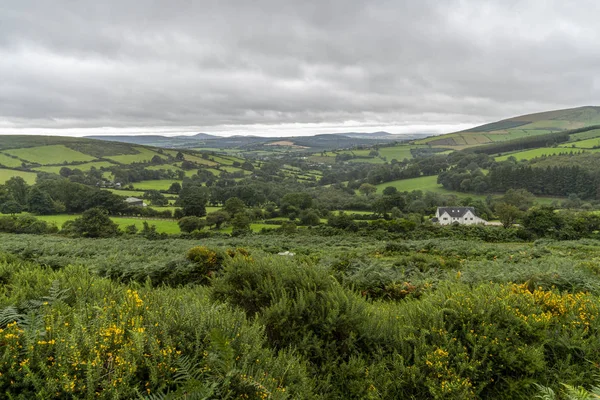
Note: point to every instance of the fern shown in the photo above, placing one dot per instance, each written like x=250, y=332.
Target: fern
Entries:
x=26, y=313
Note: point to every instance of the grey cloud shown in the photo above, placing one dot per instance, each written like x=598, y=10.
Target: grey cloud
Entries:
x=70, y=64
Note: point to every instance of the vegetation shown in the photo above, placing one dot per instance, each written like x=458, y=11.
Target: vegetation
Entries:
x=279, y=276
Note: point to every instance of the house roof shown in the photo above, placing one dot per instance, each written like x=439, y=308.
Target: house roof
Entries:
x=133, y=200
x=455, y=212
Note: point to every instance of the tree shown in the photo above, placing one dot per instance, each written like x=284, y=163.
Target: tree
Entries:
x=234, y=206
x=175, y=188
x=190, y=224
x=507, y=214
x=390, y=191
x=310, y=218
x=520, y=198
x=543, y=221
x=296, y=201
x=17, y=188
x=156, y=160
x=11, y=207
x=240, y=224
x=367, y=189
x=247, y=165
x=94, y=222
x=179, y=156
x=217, y=218
x=193, y=200
x=39, y=202
x=156, y=198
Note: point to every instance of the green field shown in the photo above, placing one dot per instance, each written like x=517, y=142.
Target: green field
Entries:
x=585, y=135
x=397, y=152
x=82, y=167
x=162, y=225
x=9, y=161
x=127, y=193
x=424, y=183
x=144, y=155
x=544, y=151
x=6, y=174
x=162, y=184
x=583, y=144
x=199, y=160
x=55, y=154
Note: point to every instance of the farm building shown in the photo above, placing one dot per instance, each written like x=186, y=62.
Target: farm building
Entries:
x=134, y=201
x=457, y=215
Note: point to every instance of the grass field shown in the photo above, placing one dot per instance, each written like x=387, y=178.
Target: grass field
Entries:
x=585, y=135
x=162, y=184
x=55, y=154
x=166, y=226
x=83, y=167
x=429, y=184
x=144, y=155
x=199, y=160
x=583, y=144
x=9, y=161
x=6, y=174
x=424, y=183
x=397, y=152
x=127, y=193
x=544, y=151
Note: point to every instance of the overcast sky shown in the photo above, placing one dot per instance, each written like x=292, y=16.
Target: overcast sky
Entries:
x=291, y=67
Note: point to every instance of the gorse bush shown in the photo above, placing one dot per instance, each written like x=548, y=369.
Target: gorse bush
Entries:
x=108, y=341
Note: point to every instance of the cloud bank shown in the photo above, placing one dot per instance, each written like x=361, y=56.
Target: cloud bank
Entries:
x=288, y=66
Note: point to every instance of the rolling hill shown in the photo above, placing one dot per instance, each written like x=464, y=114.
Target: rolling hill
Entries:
x=518, y=127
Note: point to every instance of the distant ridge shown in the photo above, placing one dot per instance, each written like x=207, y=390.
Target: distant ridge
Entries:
x=541, y=123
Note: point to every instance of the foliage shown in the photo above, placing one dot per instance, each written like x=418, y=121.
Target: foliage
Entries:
x=94, y=222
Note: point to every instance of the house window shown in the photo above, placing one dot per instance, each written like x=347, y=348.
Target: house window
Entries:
x=445, y=218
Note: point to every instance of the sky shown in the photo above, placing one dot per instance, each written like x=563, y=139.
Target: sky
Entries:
x=280, y=68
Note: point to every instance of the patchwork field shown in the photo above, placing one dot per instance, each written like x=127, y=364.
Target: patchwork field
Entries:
x=162, y=225
x=583, y=144
x=545, y=151
x=585, y=135
x=9, y=161
x=6, y=174
x=424, y=183
x=82, y=167
x=54, y=154
x=163, y=184
x=144, y=155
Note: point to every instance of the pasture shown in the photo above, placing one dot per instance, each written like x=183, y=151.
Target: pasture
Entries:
x=9, y=162
x=6, y=174
x=54, y=154
x=83, y=167
x=162, y=184
x=585, y=135
x=162, y=225
x=533, y=153
x=143, y=155
x=583, y=144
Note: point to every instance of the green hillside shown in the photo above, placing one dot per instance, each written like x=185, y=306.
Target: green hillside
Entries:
x=518, y=127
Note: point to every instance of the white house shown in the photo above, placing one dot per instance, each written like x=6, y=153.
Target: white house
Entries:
x=458, y=215
x=134, y=201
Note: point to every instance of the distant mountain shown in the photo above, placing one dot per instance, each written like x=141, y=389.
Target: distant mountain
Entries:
x=197, y=136
x=303, y=143
x=517, y=127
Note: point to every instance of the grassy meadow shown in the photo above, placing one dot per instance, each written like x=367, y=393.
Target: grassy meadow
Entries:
x=9, y=162
x=6, y=174
x=53, y=154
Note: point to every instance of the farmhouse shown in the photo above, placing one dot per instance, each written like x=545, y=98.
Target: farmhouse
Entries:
x=457, y=215
x=134, y=201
